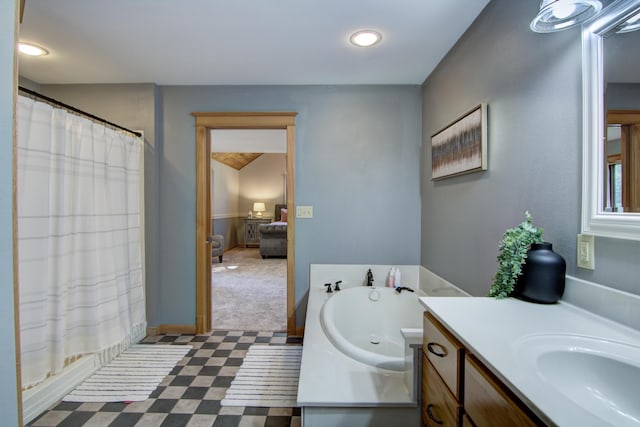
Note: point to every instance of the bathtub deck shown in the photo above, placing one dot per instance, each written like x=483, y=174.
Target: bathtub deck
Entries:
x=329, y=378
x=337, y=390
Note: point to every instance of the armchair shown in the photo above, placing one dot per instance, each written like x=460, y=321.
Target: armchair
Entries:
x=217, y=246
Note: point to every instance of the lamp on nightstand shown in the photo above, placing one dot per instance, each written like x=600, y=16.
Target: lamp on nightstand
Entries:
x=259, y=208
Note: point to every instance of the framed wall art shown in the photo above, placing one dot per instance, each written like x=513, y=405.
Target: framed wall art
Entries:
x=461, y=147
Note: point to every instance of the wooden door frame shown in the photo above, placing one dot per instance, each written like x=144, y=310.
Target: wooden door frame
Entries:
x=205, y=122
x=629, y=156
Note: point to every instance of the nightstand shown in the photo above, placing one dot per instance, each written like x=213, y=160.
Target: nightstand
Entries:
x=251, y=234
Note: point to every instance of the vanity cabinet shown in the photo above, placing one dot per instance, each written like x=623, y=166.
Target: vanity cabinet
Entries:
x=441, y=376
x=488, y=402
x=439, y=407
x=458, y=390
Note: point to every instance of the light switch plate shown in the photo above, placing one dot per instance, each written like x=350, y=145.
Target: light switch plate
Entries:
x=304, y=211
x=586, y=251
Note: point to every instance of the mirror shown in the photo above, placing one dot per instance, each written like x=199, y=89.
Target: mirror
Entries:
x=622, y=159
x=611, y=124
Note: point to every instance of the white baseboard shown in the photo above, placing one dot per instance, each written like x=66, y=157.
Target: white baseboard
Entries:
x=39, y=398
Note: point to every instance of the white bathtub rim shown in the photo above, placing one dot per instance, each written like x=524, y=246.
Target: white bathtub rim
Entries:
x=358, y=353
x=328, y=377
x=345, y=382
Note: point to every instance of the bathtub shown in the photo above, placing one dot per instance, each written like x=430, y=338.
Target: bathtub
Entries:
x=345, y=379
x=365, y=323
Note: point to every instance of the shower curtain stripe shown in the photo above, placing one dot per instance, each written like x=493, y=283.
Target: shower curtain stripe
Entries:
x=80, y=239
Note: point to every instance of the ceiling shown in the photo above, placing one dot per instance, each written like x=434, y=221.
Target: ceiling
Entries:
x=240, y=42
x=235, y=160
x=237, y=148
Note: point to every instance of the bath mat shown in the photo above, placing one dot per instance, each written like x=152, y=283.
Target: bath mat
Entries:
x=268, y=377
x=131, y=376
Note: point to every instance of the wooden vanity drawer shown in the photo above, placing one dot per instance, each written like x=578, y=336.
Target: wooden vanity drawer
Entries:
x=466, y=421
x=439, y=407
x=490, y=404
x=445, y=353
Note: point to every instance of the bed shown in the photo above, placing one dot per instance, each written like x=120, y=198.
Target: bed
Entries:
x=273, y=236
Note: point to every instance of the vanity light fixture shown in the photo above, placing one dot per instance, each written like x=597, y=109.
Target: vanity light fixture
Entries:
x=365, y=38
x=558, y=15
x=32, y=49
x=631, y=24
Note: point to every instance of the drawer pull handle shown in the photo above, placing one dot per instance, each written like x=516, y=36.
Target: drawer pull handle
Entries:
x=433, y=350
x=430, y=415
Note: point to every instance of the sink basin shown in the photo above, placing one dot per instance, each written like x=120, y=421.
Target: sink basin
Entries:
x=602, y=377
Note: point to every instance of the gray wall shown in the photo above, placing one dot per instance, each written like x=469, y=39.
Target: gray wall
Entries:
x=9, y=388
x=623, y=96
x=532, y=84
x=230, y=228
x=356, y=162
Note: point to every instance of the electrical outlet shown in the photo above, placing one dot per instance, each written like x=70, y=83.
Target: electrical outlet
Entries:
x=586, y=251
x=304, y=211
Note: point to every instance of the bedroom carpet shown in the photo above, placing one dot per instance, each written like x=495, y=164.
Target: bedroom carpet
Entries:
x=249, y=293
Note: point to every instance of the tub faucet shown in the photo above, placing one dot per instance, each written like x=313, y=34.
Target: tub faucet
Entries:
x=399, y=289
x=337, y=286
x=369, y=278
x=328, y=285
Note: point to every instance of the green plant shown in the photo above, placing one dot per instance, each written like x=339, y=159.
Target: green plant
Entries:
x=512, y=254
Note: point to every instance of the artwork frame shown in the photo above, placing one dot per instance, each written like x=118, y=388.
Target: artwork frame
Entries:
x=460, y=147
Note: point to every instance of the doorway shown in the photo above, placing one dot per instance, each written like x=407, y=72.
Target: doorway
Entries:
x=205, y=123
x=250, y=285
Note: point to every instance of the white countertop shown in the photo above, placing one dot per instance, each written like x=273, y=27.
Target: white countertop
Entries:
x=491, y=330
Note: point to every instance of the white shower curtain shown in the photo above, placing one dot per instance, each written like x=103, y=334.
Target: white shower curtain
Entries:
x=80, y=239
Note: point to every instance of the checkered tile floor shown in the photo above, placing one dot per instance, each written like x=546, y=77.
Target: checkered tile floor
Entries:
x=190, y=395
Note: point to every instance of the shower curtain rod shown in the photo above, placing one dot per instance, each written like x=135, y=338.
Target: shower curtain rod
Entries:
x=76, y=110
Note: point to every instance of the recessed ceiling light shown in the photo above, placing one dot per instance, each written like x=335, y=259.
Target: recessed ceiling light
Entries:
x=32, y=49
x=365, y=38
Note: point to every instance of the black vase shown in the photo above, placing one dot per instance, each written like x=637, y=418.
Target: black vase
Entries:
x=542, y=278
